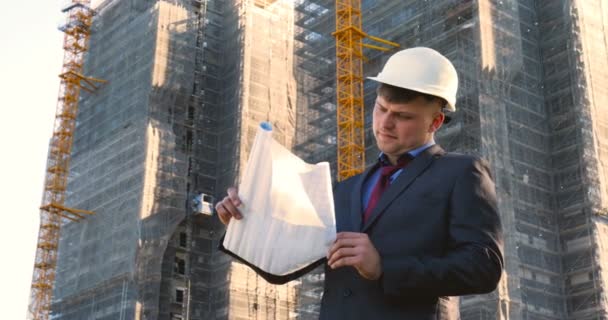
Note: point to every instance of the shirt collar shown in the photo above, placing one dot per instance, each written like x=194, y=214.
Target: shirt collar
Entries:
x=383, y=159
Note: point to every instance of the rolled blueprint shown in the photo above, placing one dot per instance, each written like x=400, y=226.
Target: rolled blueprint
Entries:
x=288, y=220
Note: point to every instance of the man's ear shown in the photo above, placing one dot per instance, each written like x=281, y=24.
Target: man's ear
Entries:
x=437, y=121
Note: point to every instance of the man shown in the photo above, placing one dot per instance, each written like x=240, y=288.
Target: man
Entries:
x=421, y=224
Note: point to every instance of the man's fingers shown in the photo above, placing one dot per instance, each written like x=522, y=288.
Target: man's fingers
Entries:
x=356, y=250
x=231, y=208
x=341, y=253
x=343, y=243
x=226, y=210
x=351, y=261
x=222, y=213
x=350, y=235
x=228, y=207
x=224, y=217
x=348, y=239
x=233, y=194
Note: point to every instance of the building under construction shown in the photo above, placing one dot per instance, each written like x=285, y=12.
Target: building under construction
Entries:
x=187, y=84
x=188, y=81
x=533, y=82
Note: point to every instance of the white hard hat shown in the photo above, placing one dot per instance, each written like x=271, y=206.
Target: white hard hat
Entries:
x=424, y=70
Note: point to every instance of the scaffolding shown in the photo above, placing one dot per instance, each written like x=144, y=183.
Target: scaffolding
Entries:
x=190, y=82
x=144, y=147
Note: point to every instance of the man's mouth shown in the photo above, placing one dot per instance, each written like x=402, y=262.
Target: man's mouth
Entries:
x=385, y=135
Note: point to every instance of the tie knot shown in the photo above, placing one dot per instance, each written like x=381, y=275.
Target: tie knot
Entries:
x=388, y=170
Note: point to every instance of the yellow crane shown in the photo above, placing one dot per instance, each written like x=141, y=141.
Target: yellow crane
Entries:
x=53, y=212
x=349, y=86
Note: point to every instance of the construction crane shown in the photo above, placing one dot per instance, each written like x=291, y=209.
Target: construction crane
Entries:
x=349, y=86
x=53, y=212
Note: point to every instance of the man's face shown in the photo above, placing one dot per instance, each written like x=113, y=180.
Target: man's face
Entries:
x=401, y=127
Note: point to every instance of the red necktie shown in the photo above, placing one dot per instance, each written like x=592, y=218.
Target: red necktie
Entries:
x=383, y=182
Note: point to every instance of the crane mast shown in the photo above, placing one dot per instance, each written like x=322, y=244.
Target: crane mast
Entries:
x=349, y=89
x=53, y=212
x=350, y=107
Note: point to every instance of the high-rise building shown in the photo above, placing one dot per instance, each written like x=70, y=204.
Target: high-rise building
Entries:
x=533, y=85
x=188, y=84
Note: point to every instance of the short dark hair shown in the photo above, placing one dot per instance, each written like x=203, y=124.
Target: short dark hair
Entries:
x=401, y=95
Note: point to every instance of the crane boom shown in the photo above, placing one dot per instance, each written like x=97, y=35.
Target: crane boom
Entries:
x=53, y=211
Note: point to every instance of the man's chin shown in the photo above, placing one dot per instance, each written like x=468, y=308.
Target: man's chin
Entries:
x=388, y=151
x=391, y=149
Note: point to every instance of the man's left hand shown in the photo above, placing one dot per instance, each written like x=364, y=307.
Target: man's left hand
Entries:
x=356, y=250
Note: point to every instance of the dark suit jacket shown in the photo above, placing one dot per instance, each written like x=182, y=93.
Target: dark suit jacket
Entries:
x=438, y=233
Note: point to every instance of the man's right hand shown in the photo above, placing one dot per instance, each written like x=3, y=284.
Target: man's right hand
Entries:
x=227, y=208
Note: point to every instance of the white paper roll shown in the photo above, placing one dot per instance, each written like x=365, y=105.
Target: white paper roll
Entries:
x=288, y=210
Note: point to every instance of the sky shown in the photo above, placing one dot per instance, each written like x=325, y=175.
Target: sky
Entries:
x=31, y=55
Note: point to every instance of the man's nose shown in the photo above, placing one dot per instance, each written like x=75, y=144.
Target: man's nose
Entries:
x=387, y=120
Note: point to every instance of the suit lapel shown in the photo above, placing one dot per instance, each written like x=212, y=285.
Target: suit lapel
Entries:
x=356, y=214
x=403, y=181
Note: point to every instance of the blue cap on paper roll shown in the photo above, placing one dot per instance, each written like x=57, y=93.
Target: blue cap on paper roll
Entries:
x=266, y=126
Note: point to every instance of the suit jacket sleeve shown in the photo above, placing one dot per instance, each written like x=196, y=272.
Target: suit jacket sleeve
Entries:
x=473, y=261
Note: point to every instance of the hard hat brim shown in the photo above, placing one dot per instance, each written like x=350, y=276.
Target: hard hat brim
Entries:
x=451, y=105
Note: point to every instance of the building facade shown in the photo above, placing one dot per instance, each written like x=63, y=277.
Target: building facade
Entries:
x=188, y=83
